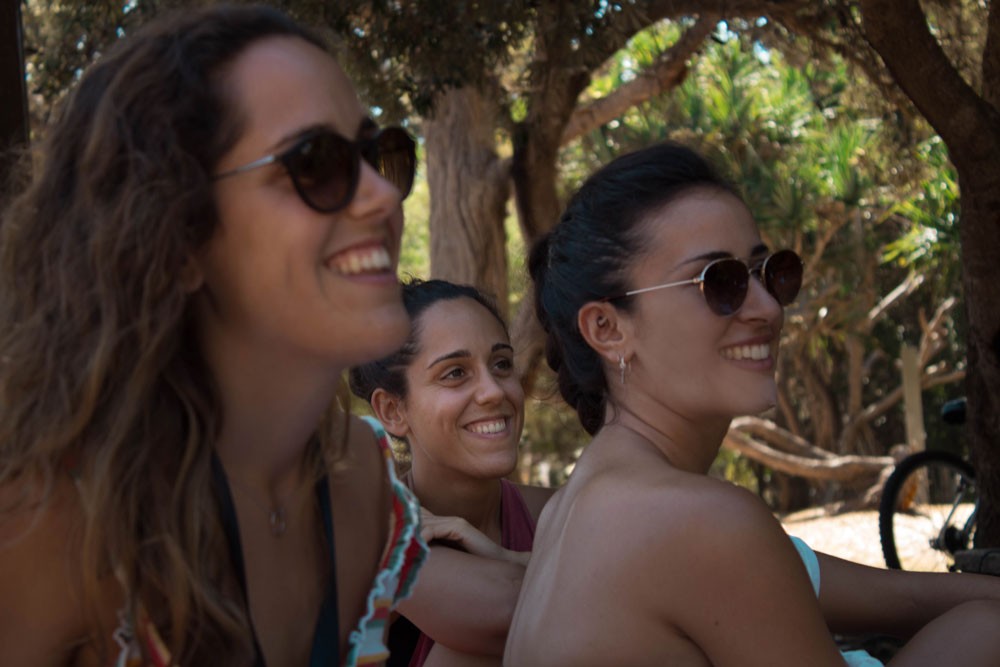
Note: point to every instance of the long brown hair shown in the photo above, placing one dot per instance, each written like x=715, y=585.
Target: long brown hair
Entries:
x=100, y=376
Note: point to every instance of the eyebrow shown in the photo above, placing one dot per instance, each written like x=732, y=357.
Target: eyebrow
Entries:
x=462, y=354
x=759, y=249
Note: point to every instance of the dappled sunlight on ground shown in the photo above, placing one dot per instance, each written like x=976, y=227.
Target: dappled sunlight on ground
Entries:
x=852, y=535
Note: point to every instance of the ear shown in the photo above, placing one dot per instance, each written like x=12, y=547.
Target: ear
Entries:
x=191, y=275
x=388, y=409
x=606, y=329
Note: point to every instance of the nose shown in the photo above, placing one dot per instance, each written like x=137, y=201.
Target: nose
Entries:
x=375, y=197
x=759, y=303
x=488, y=389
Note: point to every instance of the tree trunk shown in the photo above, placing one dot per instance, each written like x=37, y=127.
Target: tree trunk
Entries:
x=469, y=186
x=980, y=234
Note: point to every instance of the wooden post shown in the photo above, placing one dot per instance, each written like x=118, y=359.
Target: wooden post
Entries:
x=912, y=400
x=13, y=95
x=913, y=405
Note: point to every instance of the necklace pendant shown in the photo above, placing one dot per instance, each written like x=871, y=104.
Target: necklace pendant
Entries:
x=278, y=521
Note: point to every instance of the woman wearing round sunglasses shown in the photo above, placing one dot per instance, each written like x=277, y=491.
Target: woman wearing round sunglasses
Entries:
x=210, y=240
x=663, y=310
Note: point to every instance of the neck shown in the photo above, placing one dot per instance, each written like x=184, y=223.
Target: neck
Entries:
x=272, y=401
x=686, y=444
x=477, y=501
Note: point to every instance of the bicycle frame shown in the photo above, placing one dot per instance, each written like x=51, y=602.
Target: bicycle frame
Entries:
x=947, y=540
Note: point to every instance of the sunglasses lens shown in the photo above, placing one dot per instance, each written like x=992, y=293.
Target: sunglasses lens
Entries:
x=393, y=155
x=783, y=276
x=725, y=286
x=324, y=169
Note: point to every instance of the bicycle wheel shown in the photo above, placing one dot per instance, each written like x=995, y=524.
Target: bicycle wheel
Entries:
x=927, y=512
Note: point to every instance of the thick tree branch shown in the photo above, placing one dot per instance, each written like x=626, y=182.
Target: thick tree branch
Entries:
x=778, y=437
x=840, y=468
x=666, y=72
x=898, y=30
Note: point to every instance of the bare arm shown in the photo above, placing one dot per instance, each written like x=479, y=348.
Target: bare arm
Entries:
x=857, y=598
x=442, y=656
x=465, y=599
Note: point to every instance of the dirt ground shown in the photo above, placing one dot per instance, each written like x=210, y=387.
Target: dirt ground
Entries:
x=853, y=535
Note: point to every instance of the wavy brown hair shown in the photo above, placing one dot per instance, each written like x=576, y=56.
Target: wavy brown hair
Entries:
x=100, y=375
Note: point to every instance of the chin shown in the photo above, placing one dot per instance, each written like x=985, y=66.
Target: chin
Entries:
x=747, y=408
x=387, y=332
x=501, y=466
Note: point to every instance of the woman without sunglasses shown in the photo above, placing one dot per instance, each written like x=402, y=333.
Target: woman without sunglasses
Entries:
x=452, y=394
x=663, y=311
x=204, y=249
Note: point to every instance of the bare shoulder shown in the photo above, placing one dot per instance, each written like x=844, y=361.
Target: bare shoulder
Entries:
x=535, y=498
x=685, y=523
x=363, y=441
x=734, y=577
x=719, y=521
x=360, y=478
x=43, y=618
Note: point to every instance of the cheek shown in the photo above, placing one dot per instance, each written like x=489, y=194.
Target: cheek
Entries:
x=691, y=343
x=438, y=410
x=515, y=393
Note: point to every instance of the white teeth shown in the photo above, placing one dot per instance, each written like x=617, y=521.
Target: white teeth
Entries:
x=741, y=352
x=372, y=259
x=489, y=428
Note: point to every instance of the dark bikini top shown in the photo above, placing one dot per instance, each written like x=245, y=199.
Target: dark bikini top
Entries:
x=326, y=636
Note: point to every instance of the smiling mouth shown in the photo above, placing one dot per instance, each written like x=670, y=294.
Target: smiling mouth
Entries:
x=746, y=352
x=491, y=427
x=362, y=261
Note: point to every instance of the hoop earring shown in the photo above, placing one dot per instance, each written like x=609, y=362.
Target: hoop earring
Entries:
x=622, y=367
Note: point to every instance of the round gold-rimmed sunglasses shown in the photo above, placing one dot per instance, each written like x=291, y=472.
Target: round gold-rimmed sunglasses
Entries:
x=724, y=282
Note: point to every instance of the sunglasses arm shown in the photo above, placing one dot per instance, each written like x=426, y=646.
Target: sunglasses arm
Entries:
x=266, y=160
x=692, y=281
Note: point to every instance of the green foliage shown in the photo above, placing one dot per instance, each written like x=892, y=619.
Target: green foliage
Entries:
x=738, y=469
x=415, y=256
x=931, y=242
x=405, y=52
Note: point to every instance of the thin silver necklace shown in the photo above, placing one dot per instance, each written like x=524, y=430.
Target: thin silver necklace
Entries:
x=277, y=516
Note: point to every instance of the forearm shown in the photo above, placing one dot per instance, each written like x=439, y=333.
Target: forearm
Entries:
x=442, y=656
x=856, y=598
x=465, y=602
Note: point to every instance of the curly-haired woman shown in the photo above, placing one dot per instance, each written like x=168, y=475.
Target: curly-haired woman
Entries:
x=209, y=240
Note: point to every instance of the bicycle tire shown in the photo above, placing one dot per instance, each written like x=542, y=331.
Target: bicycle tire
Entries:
x=899, y=526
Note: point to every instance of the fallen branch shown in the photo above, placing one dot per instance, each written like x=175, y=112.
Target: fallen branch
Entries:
x=837, y=468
